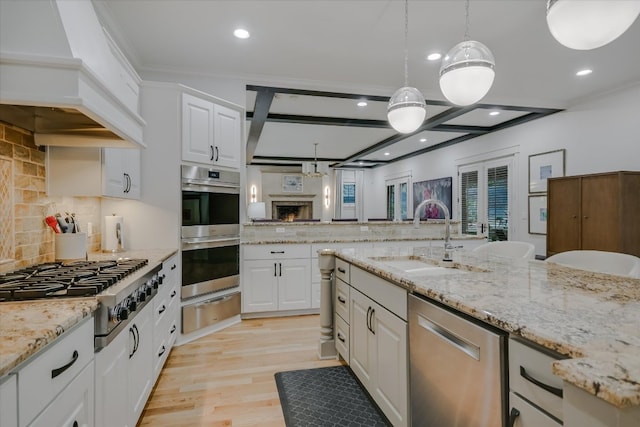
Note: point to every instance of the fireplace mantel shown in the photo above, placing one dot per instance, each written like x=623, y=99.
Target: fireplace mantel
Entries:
x=292, y=196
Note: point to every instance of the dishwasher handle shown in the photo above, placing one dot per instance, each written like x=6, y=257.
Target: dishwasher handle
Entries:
x=460, y=343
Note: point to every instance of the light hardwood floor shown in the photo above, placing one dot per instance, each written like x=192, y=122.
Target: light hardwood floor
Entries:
x=227, y=378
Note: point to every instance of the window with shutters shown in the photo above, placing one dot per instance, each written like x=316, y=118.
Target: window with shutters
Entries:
x=398, y=198
x=485, y=198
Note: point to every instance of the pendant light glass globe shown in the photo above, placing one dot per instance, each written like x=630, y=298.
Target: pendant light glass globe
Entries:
x=585, y=25
x=467, y=73
x=406, y=110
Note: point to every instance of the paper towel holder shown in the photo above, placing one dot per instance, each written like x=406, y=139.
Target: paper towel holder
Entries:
x=109, y=245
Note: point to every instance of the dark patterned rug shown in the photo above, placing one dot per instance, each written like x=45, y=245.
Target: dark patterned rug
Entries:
x=326, y=397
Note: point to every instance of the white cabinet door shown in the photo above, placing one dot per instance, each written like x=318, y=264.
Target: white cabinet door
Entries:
x=197, y=129
x=260, y=282
x=526, y=415
x=140, y=361
x=9, y=402
x=111, y=383
x=121, y=173
x=391, y=386
x=361, y=343
x=294, y=289
x=227, y=131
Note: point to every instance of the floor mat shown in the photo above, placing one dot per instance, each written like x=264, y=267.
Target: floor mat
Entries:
x=326, y=397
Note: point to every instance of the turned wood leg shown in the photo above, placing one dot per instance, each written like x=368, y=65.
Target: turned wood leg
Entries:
x=326, y=347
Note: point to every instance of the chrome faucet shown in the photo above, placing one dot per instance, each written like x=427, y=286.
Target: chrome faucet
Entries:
x=448, y=247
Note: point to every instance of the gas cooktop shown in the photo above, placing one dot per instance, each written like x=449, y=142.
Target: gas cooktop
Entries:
x=59, y=279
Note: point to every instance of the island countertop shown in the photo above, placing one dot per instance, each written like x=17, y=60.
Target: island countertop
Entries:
x=591, y=318
x=27, y=327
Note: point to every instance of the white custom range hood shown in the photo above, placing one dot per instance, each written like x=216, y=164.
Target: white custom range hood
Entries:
x=63, y=77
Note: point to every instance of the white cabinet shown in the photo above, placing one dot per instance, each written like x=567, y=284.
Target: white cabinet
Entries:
x=165, y=315
x=140, y=361
x=121, y=173
x=94, y=172
x=9, y=402
x=52, y=374
x=524, y=414
x=276, y=278
x=378, y=342
x=211, y=133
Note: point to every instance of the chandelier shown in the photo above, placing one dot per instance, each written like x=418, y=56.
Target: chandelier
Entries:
x=315, y=169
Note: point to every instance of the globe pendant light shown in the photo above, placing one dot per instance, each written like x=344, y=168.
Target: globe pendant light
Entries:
x=467, y=71
x=407, y=109
x=585, y=25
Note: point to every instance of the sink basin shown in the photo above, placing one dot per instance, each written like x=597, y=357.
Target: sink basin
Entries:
x=415, y=265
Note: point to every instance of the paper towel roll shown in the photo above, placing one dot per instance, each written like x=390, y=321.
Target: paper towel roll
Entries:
x=112, y=240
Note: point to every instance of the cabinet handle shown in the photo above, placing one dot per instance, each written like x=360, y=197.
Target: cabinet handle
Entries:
x=173, y=267
x=550, y=389
x=173, y=329
x=277, y=252
x=574, y=216
x=75, y=423
x=342, y=300
x=513, y=416
x=373, y=312
x=162, y=309
x=280, y=264
x=586, y=217
x=58, y=371
x=368, y=313
x=275, y=269
x=129, y=186
x=162, y=351
x=340, y=337
x=173, y=294
x=211, y=158
x=342, y=270
x=217, y=153
x=134, y=342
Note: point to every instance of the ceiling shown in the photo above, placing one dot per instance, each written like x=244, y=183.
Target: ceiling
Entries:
x=308, y=62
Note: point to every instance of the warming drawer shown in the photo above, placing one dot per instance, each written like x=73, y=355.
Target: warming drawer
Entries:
x=206, y=313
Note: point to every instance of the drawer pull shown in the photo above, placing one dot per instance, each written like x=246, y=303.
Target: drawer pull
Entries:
x=342, y=270
x=58, y=371
x=340, y=337
x=173, y=294
x=75, y=423
x=342, y=300
x=550, y=389
x=173, y=329
x=513, y=416
x=162, y=351
x=162, y=309
x=277, y=252
x=173, y=267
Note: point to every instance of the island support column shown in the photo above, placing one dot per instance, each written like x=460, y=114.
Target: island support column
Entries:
x=327, y=345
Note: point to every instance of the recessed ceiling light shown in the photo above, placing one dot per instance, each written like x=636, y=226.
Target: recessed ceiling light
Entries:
x=361, y=163
x=434, y=56
x=423, y=139
x=241, y=33
x=584, y=72
x=362, y=104
x=387, y=153
x=494, y=113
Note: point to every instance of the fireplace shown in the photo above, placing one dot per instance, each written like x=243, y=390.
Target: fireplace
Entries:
x=290, y=210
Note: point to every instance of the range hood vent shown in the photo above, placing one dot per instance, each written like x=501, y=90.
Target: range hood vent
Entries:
x=63, y=78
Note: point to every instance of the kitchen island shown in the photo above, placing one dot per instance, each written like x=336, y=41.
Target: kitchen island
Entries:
x=589, y=318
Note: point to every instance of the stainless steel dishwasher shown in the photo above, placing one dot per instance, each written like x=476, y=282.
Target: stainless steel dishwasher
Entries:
x=457, y=369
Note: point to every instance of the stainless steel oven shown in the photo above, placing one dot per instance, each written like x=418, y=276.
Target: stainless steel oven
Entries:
x=210, y=230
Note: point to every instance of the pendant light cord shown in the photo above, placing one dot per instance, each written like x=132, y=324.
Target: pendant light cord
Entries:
x=466, y=24
x=406, y=43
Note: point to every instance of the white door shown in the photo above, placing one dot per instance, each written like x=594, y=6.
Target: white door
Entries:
x=486, y=197
x=132, y=169
x=114, y=180
x=361, y=339
x=227, y=131
x=140, y=361
x=294, y=284
x=197, y=129
x=391, y=365
x=111, y=383
x=260, y=286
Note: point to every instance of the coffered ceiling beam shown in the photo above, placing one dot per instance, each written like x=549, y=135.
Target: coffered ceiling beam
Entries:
x=264, y=98
x=328, y=121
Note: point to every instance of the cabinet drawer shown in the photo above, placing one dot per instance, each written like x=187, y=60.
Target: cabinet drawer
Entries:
x=342, y=300
x=276, y=251
x=388, y=295
x=341, y=331
x=528, y=416
x=343, y=271
x=528, y=366
x=9, y=402
x=40, y=381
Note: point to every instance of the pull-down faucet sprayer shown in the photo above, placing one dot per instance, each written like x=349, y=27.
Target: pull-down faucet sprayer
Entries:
x=448, y=247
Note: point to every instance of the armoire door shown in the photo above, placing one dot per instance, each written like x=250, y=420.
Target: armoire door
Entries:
x=563, y=221
x=601, y=213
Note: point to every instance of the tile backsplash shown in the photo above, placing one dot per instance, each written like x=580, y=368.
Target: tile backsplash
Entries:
x=25, y=239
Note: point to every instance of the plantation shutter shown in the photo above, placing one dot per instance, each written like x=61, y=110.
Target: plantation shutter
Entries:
x=469, y=201
x=498, y=202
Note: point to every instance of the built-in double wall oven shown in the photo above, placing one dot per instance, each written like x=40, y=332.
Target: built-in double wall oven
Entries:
x=210, y=243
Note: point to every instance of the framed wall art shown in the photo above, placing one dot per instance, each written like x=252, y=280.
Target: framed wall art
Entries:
x=439, y=189
x=538, y=214
x=292, y=183
x=544, y=166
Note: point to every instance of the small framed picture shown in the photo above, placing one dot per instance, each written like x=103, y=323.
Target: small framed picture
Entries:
x=544, y=166
x=538, y=214
x=292, y=183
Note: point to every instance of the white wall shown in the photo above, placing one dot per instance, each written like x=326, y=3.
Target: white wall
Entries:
x=599, y=135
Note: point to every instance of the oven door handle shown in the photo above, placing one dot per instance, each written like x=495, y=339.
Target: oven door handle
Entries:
x=209, y=187
x=193, y=244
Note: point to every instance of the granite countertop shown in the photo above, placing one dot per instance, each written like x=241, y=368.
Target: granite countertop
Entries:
x=365, y=239
x=26, y=327
x=591, y=318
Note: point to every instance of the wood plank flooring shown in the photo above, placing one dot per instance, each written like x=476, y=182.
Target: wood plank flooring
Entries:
x=227, y=378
